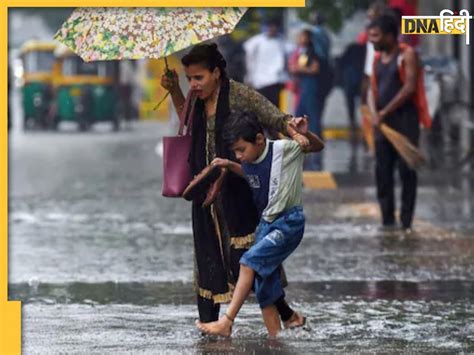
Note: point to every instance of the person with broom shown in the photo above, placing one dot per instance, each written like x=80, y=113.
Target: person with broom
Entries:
x=392, y=104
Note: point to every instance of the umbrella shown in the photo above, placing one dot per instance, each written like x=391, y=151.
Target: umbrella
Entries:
x=135, y=33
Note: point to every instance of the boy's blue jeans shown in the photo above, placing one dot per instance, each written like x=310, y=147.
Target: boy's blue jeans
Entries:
x=274, y=242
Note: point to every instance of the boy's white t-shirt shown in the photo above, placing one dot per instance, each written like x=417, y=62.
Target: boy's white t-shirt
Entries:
x=286, y=178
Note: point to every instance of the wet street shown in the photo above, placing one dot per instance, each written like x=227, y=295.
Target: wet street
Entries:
x=104, y=264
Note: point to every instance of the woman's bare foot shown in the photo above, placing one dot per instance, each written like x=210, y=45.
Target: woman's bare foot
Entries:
x=222, y=327
x=296, y=320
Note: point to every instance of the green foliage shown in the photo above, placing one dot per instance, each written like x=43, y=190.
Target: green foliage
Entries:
x=252, y=21
x=333, y=11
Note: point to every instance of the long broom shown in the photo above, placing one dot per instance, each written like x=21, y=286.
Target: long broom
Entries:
x=410, y=153
x=367, y=129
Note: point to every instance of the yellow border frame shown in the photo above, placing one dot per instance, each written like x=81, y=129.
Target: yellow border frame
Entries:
x=10, y=311
x=150, y=3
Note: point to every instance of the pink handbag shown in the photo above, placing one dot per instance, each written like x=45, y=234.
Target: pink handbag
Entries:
x=176, y=170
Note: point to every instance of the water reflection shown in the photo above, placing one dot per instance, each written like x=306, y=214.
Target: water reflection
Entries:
x=265, y=345
x=177, y=293
x=351, y=325
x=466, y=183
x=394, y=290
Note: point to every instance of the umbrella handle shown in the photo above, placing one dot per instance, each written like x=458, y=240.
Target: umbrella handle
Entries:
x=169, y=74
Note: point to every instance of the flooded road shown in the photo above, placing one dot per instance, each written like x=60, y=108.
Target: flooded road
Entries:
x=103, y=263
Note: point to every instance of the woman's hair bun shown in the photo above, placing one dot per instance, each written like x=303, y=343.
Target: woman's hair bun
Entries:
x=207, y=54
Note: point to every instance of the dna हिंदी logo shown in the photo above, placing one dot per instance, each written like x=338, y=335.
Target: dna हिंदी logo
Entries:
x=447, y=23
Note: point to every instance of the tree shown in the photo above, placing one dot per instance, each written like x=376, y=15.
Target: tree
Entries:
x=333, y=11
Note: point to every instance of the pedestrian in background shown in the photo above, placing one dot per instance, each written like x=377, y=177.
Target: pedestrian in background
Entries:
x=322, y=47
x=350, y=69
x=127, y=83
x=392, y=103
x=375, y=10
x=304, y=68
x=265, y=59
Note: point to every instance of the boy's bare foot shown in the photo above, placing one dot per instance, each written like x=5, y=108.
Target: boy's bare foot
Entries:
x=296, y=320
x=222, y=327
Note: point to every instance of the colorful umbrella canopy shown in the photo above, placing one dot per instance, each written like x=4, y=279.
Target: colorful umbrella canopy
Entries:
x=135, y=33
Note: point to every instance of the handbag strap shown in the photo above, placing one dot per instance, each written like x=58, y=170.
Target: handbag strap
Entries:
x=186, y=116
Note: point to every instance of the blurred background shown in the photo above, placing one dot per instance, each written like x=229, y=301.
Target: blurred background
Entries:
x=50, y=86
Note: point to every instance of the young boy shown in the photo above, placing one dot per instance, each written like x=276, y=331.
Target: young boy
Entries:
x=274, y=171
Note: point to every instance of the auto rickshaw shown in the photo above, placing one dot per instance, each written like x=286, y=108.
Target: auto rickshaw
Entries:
x=85, y=92
x=38, y=62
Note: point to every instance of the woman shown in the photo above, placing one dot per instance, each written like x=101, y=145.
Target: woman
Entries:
x=225, y=230
x=304, y=66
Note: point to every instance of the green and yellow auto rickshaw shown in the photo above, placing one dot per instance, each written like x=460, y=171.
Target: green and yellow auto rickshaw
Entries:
x=38, y=62
x=85, y=92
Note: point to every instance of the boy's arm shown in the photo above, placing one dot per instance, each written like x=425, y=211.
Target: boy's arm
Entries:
x=300, y=125
x=315, y=143
x=233, y=166
x=298, y=137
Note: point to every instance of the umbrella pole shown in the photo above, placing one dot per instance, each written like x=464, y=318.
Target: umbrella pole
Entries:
x=167, y=94
x=161, y=101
